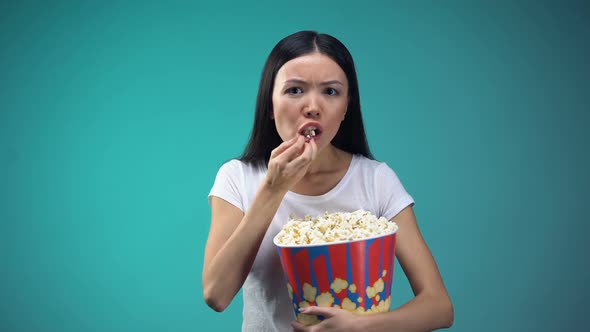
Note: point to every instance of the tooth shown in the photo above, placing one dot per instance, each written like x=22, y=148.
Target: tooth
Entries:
x=312, y=132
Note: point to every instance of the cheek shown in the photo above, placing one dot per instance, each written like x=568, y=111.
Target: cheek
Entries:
x=285, y=109
x=284, y=118
x=274, y=104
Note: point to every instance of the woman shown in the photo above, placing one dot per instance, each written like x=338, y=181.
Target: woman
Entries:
x=308, y=154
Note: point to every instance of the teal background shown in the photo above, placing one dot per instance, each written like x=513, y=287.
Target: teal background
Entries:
x=115, y=116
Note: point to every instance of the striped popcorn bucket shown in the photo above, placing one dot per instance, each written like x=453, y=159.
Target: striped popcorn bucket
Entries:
x=356, y=276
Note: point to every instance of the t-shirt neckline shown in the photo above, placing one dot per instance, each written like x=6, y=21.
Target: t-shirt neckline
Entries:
x=331, y=192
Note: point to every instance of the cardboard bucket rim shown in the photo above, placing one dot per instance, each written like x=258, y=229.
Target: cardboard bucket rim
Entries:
x=274, y=240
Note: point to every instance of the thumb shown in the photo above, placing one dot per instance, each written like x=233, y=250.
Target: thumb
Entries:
x=322, y=311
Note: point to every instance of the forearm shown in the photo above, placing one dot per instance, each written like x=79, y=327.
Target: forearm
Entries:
x=423, y=313
x=227, y=271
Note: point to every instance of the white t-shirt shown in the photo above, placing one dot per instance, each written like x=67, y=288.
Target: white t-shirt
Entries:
x=367, y=184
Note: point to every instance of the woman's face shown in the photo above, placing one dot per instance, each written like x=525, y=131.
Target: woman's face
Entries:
x=310, y=93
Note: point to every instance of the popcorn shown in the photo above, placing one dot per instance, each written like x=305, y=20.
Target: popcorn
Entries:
x=338, y=285
x=325, y=300
x=290, y=290
x=334, y=227
x=309, y=292
x=349, y=305
x=309, y=132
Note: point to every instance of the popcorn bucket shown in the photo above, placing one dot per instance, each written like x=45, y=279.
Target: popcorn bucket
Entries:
x=354, y=275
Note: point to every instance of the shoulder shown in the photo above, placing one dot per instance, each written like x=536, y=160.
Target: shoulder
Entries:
x=377, y=171
x=232, y=165
x=370, y=165
x=238, y=168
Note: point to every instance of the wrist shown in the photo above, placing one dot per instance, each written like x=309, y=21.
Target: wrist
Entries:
x=269, y=197
x=267, y=188
x=362, y=324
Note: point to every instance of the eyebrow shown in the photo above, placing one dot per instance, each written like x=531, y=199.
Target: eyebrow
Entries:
x=298, y=81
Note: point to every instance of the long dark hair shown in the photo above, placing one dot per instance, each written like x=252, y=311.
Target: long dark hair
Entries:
x=265, y=137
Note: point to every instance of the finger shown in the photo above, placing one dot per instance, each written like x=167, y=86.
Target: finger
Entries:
x=282, y=147
x=298, y=327
x=314, y=148
x=292, y=151
x=306, y=157
x=322, y=311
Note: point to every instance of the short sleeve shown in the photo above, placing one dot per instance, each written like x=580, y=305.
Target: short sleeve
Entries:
x=393, y=197
x=227, y=184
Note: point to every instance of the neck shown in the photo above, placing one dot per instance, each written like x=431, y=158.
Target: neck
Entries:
x=327, y=160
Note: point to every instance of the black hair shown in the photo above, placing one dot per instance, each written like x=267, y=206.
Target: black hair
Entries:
x=264, y=138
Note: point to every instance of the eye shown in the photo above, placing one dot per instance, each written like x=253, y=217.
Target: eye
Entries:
x=294, y=91
x=331, y=92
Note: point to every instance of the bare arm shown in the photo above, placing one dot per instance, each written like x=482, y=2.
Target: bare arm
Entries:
x=430, y=309
x=234, y=237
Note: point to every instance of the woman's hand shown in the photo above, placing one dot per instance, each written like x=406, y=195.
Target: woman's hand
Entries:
x=289, y=162
x=334, y=320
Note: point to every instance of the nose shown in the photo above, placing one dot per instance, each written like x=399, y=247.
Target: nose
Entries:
x=312, y=114
x=312, y=110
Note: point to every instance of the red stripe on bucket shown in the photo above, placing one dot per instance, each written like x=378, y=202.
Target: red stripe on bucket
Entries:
x=390, y=275
x=289, y=268
x=337, y=254
x=321, y=274
x=388, y=262
x=374, y=258
x=358, y=261
x=302, y=267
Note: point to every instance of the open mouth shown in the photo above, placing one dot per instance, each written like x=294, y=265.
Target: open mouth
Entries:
x=310, y=131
